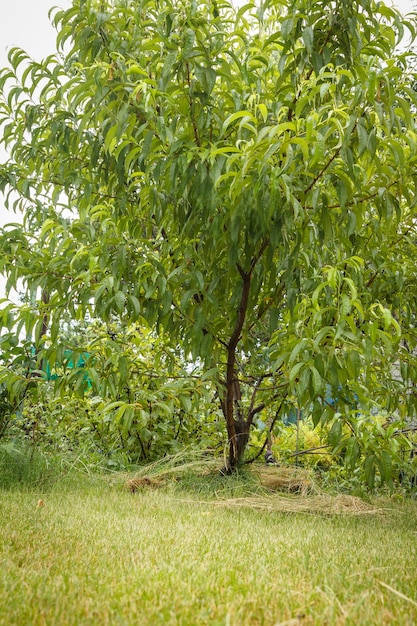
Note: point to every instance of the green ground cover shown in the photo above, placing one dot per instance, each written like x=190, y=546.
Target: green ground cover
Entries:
x=98, y=555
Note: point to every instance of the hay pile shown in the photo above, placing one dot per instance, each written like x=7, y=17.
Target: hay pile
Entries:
x=142, y=482
x=271, y=488
x=168, y=469
x=303, y=494
x=288, y=479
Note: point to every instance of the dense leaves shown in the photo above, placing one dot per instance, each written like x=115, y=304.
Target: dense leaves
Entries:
x=241, y=179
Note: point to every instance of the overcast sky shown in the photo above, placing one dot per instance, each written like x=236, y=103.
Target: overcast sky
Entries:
x=25, y=23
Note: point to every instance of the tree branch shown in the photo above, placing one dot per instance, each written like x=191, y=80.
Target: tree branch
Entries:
x=195, y=129
x=332, y=158
x=310, y=451
x=320, y=174
x=270, y=429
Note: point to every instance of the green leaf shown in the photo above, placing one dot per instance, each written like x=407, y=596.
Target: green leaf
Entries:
x=385, y=466
x=308, y=37
x=369, y=469
x=239, y=115
x=263, y=111
x=335, y=433
x=316, y=380
x=186, y=403
x=294, y=372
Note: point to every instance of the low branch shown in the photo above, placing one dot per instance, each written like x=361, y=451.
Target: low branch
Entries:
x=261, y=313
x=310, y=451
x=270, y=429
x=254, y=411
x=332, y=158
x=254, y=392
x=322, y=171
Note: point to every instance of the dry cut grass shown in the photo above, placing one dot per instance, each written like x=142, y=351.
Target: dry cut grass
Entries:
x=281, y=478
x=317, y=504
x=265, y=492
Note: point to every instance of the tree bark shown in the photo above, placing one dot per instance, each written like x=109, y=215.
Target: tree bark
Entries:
x=238, y=426
x=233, y=393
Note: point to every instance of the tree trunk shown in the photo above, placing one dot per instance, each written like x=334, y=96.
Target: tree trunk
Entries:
x=237, y=426
x=236, y=452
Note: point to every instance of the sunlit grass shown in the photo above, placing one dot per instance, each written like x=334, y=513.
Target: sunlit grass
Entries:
x=98, y=555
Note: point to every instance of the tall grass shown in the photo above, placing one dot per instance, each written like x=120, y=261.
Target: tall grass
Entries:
x=94, y=554
x=22, y=464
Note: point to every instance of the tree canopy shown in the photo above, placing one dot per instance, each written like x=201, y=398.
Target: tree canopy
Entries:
x=241, y=179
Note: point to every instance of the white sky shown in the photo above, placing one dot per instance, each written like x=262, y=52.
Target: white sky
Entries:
x=25, y=23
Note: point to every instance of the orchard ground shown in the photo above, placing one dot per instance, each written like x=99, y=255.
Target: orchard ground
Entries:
x=86, y=552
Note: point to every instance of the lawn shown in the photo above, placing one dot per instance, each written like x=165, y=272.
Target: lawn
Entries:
x=99, y=555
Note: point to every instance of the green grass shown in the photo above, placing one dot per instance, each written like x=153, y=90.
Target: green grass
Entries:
x=94, y=554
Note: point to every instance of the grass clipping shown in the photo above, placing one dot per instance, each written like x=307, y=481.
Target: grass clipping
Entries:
x=169, y=469
x=314, y=505
x=289, y=479
x=293, y=490
x=302, y=495
x=275, y=488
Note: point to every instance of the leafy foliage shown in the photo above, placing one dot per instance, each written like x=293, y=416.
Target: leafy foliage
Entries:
x=241, y=180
